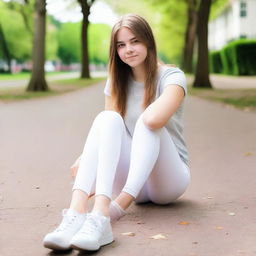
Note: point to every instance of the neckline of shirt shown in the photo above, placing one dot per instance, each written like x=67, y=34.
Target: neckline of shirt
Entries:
x=161, y=71
x=137, y=82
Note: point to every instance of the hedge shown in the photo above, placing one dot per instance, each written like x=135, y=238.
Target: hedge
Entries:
x=236, y=58
x=215, y=62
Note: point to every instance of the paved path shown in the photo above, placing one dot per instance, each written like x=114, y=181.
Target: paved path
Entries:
x=40, y=138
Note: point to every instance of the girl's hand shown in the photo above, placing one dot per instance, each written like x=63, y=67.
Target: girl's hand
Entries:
x=75, y=167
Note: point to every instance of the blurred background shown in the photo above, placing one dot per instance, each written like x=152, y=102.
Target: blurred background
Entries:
x=70, y=38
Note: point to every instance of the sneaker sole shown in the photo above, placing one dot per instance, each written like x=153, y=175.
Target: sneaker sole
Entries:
x=103, y=242
x=56, y=247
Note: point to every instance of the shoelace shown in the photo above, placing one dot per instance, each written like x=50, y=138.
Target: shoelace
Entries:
x=67, y=221
x=92, y=223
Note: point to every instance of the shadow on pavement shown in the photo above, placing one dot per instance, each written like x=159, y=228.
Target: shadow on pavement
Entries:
x=67, y=252
x=180, y=204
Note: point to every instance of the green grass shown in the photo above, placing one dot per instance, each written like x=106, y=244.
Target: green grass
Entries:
x=25, y=75
x=22, y=95
x=244, y=99
x=78, y=81
x=242, y=102
x=56, y=87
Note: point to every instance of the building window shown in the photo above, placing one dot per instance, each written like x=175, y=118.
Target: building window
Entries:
x=243, y=7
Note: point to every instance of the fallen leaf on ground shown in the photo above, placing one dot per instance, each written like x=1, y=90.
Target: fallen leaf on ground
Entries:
x=248, y=154
x=231, y=214
x=184, y=223
x=158, y=236
x=128, y=234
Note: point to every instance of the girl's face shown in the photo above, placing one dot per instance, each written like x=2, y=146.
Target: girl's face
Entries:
x=130, y=50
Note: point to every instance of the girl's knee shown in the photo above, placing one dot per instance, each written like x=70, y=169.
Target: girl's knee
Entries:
x=109, y=115
x=142, y=125
x=140, y=121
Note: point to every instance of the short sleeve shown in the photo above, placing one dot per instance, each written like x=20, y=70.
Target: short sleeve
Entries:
x=173, y=76
x=107, y=90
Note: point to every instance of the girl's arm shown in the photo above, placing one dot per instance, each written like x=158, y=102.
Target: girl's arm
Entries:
x=160, y=111
x=109, y=104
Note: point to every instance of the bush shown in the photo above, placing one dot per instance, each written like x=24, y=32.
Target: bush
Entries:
x=215, y=62
x=236, y=58
x=228, y=59
x=246, y=58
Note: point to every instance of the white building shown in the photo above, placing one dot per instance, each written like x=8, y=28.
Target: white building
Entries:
x=238, y=20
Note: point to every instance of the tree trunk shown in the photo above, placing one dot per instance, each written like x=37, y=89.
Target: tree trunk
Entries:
x=37, y=81
x=85, y=72
x=187, y=60
x=202, y=79
x=5, y=48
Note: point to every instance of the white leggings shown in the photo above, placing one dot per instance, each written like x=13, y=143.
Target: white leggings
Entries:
x=147, y=165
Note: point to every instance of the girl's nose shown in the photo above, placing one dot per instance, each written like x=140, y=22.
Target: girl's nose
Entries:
x=129, y=48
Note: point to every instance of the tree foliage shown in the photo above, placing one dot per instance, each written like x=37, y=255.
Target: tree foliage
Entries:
x=99, y=39
x=19, y=39
x=171, y=28
x=25, y=9
x=51, y=40
x=217, y=7
x=168, y=20
x=69, y=42
x=18, y=31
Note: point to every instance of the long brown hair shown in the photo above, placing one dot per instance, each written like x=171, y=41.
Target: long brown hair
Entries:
x=120, y=72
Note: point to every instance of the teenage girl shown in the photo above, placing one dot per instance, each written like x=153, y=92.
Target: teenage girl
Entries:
x=135, y=147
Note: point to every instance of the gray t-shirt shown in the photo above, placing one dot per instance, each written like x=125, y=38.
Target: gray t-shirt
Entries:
x=166, y=76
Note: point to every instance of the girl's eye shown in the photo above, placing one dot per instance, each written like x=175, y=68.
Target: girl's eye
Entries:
x=135, y=41
x=120, y=45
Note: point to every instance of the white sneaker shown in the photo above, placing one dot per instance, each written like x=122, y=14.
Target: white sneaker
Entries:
x=60, y=238
x=95, y=232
